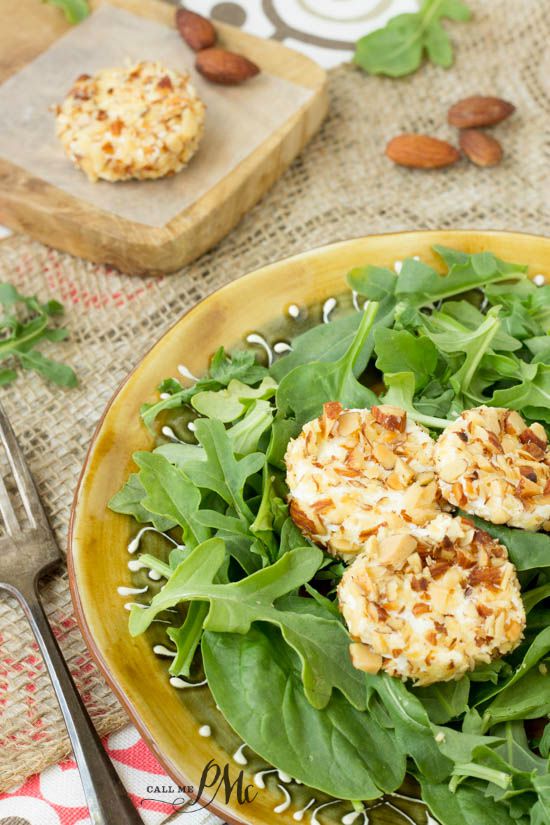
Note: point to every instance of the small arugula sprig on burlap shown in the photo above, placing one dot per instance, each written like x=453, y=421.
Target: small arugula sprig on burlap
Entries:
x=24, y=323
x=75, y=10
x=397, y=49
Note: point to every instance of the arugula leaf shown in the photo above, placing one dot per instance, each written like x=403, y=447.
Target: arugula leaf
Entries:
x=25, y=323
x=461, y=316
x=397, y=48
x=305, y=389
x=321, y=643
x=171, y=494
x=240, y=365
x=473, y=345
x=229, y=404
x=187, y=638
x=128, y=501
x=400, y=393
x=246, y=433
x=533, y=392
x=348, y=755
x=421, y=285
x=74, y=10
x=222, y=472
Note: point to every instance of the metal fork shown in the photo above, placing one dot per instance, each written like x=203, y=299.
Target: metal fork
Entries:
x=26, y=554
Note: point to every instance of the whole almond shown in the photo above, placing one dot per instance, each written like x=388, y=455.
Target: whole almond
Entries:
x=221, y=66
x=479, y=111
x=196, y=30
x=421, y=151
x=481, y=148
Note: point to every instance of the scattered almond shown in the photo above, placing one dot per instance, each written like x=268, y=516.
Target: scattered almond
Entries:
x=479, y=111
x=196, y=30
x=421, y=151
x=480, y=148
x=228, y=68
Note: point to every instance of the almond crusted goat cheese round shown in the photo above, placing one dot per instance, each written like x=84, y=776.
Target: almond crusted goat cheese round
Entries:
x=491, y=464
x=431, y=607
x=141, y=121
x=351, y=472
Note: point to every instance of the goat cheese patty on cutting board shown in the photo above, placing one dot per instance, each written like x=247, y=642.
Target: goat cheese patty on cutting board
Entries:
x=432, y=606
x=491, y=464
x=351, y=472
x=140, y=121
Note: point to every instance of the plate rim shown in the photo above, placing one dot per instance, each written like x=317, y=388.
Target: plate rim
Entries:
x=227, y=813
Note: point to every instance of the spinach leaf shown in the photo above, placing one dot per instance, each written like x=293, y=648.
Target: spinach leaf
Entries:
x=374, y=283
x=323, y=342
x=528, y=551
x=400, y=351
x=397, y=49
x=444, y=701
x=532, y=597
x=467, y=805
x=535, y=652
x=527, y=699
x=347, y=754
x=304, y=390
x=540, y=813
x=459, y=746
x=412, y=729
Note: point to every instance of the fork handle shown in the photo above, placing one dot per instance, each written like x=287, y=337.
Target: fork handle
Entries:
x=105, y=794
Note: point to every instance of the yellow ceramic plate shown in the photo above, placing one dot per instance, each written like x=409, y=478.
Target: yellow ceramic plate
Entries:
x=168, y=718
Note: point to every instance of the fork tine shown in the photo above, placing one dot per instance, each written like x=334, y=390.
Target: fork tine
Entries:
x=23, y=479
x=8, y=513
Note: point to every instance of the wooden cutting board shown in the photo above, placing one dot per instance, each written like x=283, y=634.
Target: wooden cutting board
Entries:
x=30, y=204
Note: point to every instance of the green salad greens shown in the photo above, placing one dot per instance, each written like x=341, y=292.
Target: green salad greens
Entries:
x=398, y=48
x=26, y=322
x=251, y=601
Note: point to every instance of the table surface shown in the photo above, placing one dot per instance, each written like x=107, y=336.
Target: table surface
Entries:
x=325, y=30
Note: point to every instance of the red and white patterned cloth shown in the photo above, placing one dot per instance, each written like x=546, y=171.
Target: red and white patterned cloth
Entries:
x=55, y=796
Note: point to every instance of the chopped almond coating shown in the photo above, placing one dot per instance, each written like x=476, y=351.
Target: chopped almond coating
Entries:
x=453, y=603
x=351, y=472
x=140, y=121
x=491, y=464
x=363, y=659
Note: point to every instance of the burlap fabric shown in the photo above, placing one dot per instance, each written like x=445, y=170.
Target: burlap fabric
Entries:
x=342, y=186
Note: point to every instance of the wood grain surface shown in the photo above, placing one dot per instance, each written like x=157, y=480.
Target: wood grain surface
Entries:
x=32, y=205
